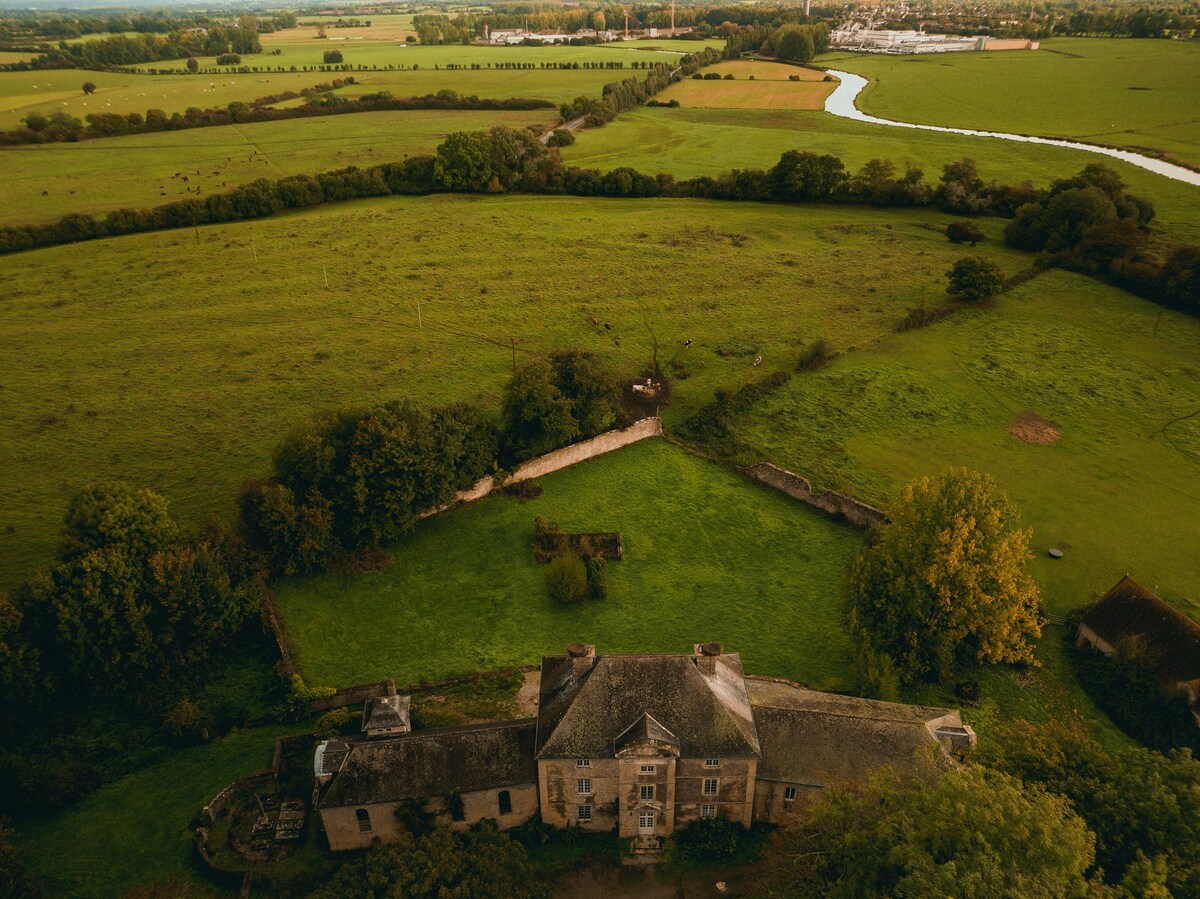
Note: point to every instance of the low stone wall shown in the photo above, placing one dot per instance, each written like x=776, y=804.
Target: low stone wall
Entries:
x=839, y=505
x=218, y=803
x=273, y=621
x=587, y=449
x=354, y=695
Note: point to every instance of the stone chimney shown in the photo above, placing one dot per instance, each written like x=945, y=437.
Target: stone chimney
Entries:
x=582, y=656
x=706, y=655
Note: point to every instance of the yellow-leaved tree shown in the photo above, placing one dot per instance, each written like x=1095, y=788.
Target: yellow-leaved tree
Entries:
x=943, y=584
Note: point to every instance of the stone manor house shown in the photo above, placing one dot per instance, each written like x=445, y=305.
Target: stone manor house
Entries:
x=640, y=743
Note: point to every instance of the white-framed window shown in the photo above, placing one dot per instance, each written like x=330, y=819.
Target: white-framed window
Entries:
x=712, y=763
x=584, y=786
x=710, y=786
x=583, y=763
x=648, y=769
x=364, y=820
x=646, y=821
x=583, y=813
x=789, y=795
x=708, y=811
x=646, y=791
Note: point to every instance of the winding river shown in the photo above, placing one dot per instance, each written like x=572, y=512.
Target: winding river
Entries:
x=841, y=103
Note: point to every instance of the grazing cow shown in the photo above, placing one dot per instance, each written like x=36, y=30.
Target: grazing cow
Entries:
x=45, y=193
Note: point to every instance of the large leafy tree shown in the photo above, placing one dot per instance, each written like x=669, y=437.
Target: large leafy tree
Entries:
x=537, y=417
x=944, y=582
x=112, y=514
x=975, y=833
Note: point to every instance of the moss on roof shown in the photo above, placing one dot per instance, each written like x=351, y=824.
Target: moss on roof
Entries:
x=1170, y=638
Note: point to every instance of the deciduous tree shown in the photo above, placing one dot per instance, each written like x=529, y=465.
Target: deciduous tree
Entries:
x=944, y=582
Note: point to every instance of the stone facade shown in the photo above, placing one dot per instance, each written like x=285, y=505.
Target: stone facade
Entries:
x=639, y=744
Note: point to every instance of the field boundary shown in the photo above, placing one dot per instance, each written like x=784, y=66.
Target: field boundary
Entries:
x=831, y=502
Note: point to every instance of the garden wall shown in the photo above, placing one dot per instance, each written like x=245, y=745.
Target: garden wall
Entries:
x=354, y=695
x=857, y=513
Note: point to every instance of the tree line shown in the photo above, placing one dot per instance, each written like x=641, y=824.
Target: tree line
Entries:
x=789, y=42
x=60, y=127
x=1089, y=222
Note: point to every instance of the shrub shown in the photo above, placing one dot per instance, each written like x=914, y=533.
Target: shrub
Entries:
x=335, y=722
x=708, y=839
x=793, y=77
x=229, y=59
x=567, y=579
x=964, y=232
x=89, y=88
x=816, y=355
x=188, y=723
x=333, y=56
x=561, y=137
x=729, y=77
x=974, y=280
x=597, y=577
x=192, y=64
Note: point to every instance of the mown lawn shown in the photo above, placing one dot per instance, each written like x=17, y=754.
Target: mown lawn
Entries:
x=138, y=171
x=691, y=141
x=1120, y=490
x=137, y=830
x=708, y=556
x=1130, y=93
x=179, y=364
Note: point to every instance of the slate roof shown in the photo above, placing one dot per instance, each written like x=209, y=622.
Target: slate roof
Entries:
x=821, y=739
x=645, y=730
x=584, y=707
x=433, y=762
x=1171, y=638
x=386, y=712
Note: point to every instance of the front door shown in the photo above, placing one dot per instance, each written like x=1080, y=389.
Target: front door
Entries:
x=646, y=822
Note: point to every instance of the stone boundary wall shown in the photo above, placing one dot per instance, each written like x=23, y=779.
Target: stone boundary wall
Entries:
x=272, y=616
x=558, y=460
x=587, y=449
x=839, y=505
x=354, y=695
x=217, y=805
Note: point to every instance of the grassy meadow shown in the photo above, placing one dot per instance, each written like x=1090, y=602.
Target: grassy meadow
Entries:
x=53, y=91
x=1119, y=377
x=178, y=363
x=691, y=141
x=137, y=830
x=708, y=556
x=139, y=170
x=1138, y=94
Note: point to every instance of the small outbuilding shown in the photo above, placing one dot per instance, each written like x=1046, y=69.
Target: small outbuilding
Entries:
x=387, y=716
x=1169, y=639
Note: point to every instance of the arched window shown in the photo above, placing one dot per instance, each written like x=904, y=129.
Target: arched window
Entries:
x=505, y=802
x=364, y=820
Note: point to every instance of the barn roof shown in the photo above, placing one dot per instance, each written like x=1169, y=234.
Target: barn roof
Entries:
x=701, y=701
x=822, y=739
x=434, y=762
x=1172, y=640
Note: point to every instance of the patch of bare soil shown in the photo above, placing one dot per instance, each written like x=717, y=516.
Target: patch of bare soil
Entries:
x=1029, y=427
x=527, y=695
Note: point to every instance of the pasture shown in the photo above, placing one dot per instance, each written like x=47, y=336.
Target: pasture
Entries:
x=140, y=170
x=177, y=363
x=1138, y=94
x=53, y=91
x=690, y=142
x=708, y=556
x=1119, y=491
x=770, y=88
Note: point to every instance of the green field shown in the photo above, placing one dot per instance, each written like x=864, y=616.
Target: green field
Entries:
x=138, y=171
x=690, y=142
x=1119, y=492
x=305, y=50
x=1129, y=93
x=178, y=364
x=53, y=91
x=137, y=830
x=708, y=556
